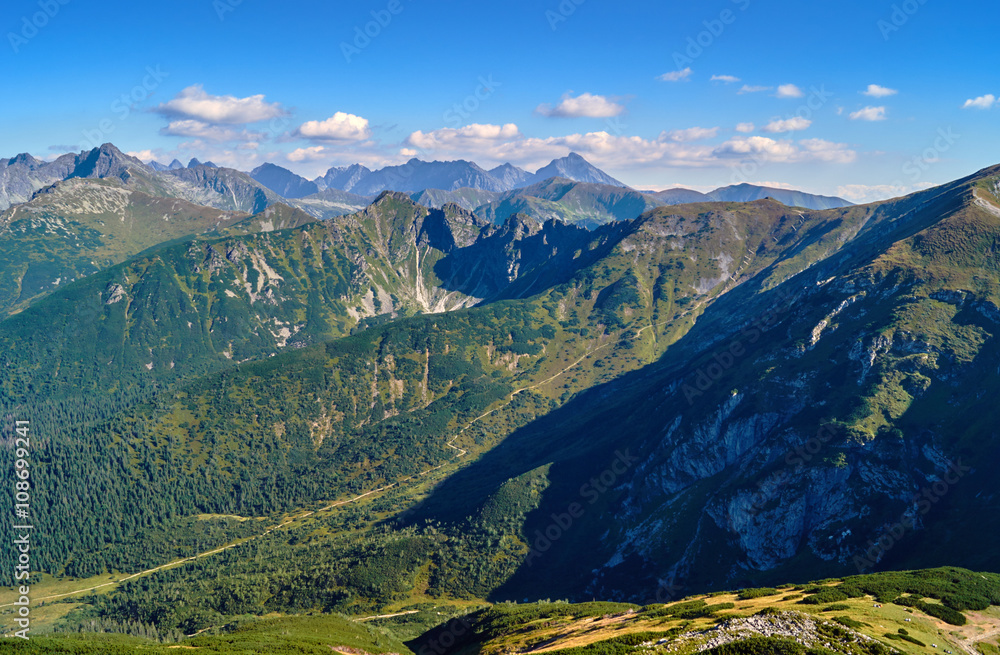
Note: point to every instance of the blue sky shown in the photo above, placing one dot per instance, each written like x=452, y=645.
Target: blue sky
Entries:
x=865, y=99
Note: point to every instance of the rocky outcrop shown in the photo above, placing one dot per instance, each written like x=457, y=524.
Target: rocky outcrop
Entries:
x=799, y=627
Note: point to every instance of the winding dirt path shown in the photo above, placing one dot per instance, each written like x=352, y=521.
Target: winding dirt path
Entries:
x=968, y=644
x=385, y=616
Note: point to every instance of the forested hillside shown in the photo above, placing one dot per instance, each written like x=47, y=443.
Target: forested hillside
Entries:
x=579, y=423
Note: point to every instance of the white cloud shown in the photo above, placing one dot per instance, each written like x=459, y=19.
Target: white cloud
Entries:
x=826, y=151
x=585, y=105
x=142, y=155
x=201, y=130
x=676, y=185
x=789, y=91
x=794, y=124
x=339, y=127
x=492, y=144
x=865, y=193
x=607, y=151
x=765, y=150
x=194, y=103
x=876, y=91
x=759, y=148
x=676, y=76
x=869, y=114
x=982, y=102
x=457, y=139
x=728, y=79
x=781, y=185
x=313, y=161
x=745, y=128
x=314, y=153
x=754, y=89
x=692, y=134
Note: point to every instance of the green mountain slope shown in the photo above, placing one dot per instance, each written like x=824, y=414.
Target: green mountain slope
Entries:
x=76, y=228
x=837, y=421
x=312, y=437
x=246, y=292
x=626, y=414
x=280, y=636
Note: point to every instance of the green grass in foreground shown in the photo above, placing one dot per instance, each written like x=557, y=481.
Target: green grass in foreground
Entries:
x=299, y=635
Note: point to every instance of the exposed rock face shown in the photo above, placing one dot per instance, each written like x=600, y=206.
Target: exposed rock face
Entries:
x=521, y=254
x=511, y=176
x=449, y=258
x=23, y=175
x=108, y=161
x=835, y=438
x=343, y=179
x=782, y=492
x=115, y=293
x=796, y=626
x=220, y=187
x=283, y=182
x=416, y=175
x=574, y=167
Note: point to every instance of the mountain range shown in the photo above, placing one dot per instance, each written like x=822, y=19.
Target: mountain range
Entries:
x=494, y=194
x=412, y=404
x=464, y=179
x=448, y=403
x=749, y=193
x=647, y=302
x=415, y=176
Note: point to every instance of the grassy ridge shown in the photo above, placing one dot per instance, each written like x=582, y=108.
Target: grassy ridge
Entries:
x=280, y=636
x=81, y=226
x=620, y=629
